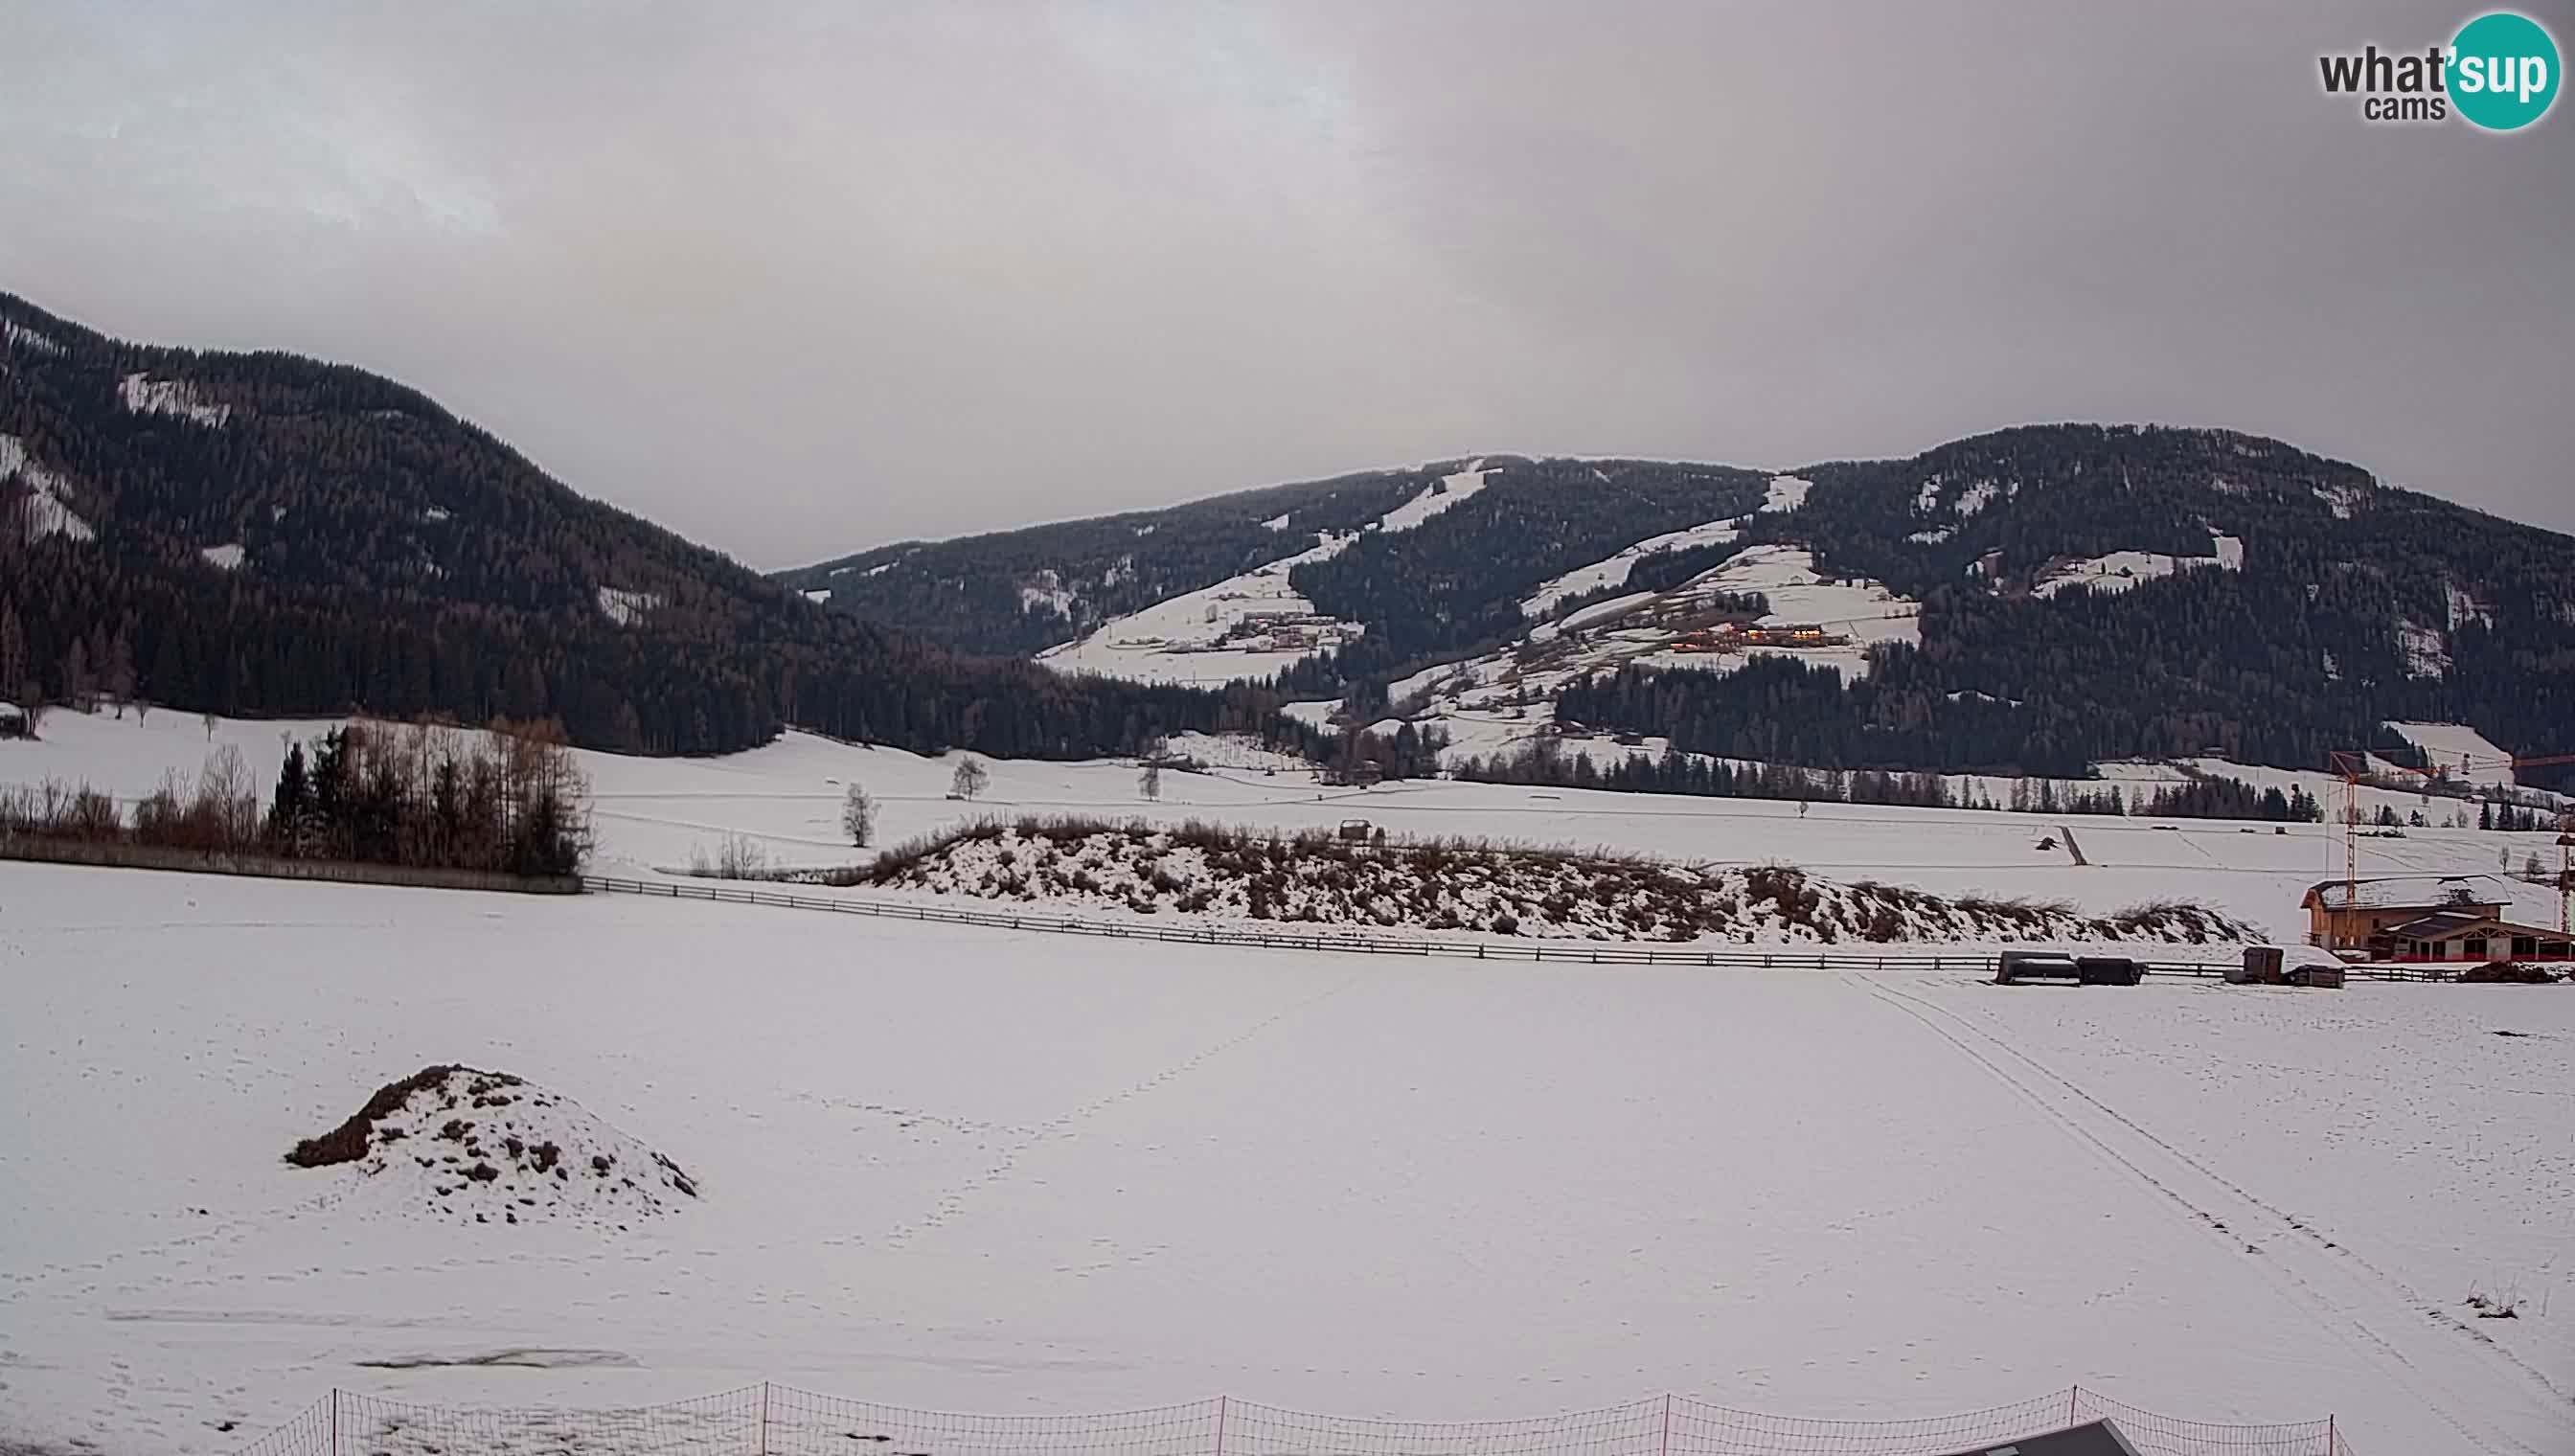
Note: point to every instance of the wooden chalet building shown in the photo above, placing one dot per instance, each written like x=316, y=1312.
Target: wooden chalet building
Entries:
x=2425, y=918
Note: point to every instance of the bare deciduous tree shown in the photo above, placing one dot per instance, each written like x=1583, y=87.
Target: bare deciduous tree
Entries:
x=1149, y=780
x=736, y=857
x=859, y=816
x=971, y=778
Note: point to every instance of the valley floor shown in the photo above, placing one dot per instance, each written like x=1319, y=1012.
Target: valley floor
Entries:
x=785, y=801
x=975, y=1170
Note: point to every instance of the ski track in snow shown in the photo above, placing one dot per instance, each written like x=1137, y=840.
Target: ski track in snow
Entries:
x=2453, y=1368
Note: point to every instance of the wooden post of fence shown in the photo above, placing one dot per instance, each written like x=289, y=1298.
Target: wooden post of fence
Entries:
x=1221, y=1403
x=2073, y=1400
x=334, y=1421
x=764, y=1418
x=2333, y=1442
x=1666, y=1447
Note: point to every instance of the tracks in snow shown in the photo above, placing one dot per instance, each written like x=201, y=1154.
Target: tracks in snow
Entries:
x=1004, y=1167
x=2456, y=1371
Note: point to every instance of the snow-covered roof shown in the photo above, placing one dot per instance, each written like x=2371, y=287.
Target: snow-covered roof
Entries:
x=2441, y=924
x=2410, y=891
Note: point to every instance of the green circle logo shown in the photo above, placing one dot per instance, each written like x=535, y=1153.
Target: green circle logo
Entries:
x=2503, y=71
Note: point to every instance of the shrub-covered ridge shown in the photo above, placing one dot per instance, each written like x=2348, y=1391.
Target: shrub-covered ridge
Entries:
x=1316, y=877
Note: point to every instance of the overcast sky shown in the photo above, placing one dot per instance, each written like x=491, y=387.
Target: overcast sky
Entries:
x=796, y=279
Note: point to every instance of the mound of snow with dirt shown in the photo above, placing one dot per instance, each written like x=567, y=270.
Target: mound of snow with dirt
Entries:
x=1318, y=879
x=475, y=1146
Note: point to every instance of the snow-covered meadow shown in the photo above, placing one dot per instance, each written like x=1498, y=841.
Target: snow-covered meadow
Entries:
x=968, y=1169
x=784, y=798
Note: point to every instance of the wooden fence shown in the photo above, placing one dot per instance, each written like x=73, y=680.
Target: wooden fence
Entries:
x=2211, y=961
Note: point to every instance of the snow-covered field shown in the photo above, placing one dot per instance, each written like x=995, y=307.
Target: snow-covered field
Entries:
x=2462, y=754
x=656, y=814
x=966, y=1169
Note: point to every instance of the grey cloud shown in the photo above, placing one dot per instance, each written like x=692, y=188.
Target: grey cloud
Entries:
x=799, y=277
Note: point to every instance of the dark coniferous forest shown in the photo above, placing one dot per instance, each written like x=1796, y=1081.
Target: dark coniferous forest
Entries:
x=2355, y=604
x=262, y=533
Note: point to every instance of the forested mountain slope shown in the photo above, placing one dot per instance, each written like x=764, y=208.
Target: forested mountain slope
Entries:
x=2034, y=600
x=266, y=534
x=2111, y=592
x=1027, y=590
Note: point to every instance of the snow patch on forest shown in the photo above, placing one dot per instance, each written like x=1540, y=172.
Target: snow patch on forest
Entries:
x=2464, y=608
x=46, y=510
x=2426, y=653
x=2342, y=500
x=2119, y=570
x=1446, y=495
x=627, y=609
x=1046, y=592
x=226, y=557
x=1787, y=493
x=19, y=336
x=146, y=396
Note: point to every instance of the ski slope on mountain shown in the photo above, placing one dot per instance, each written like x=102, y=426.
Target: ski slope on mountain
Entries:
x=1248, y=625
x=973, y=1170
x=1199, y=637
x=1613, y=570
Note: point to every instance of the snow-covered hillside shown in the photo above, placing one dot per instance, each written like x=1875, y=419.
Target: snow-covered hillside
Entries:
x=2120, y=570
x=1613, y=572
x=2459, y=753
x=1490, y=702
x=1250, y=626
x=962, y=1169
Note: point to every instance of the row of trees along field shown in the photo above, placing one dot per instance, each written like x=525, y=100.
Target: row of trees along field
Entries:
x=1546, y=762
x=510, y=798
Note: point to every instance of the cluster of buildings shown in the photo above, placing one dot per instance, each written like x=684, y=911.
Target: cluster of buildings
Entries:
x=1281, y=632
x=1732, y=636
x=2425, y=918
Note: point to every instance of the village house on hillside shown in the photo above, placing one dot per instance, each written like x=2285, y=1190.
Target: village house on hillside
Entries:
x=2425, y=918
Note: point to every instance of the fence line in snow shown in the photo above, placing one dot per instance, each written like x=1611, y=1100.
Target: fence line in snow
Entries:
x=1582, y=952
x=780, y=1420
x=123, y=854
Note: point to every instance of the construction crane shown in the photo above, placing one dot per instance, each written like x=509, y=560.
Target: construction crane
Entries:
x=2354, y=766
